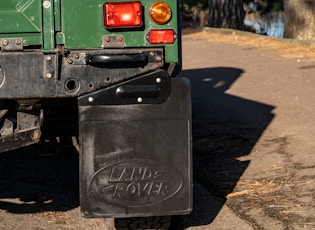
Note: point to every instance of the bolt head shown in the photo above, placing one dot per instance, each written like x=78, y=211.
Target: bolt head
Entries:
x=36, y=135
x=46, y=4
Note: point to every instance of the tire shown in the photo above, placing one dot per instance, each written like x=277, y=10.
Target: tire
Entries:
x=3, y=109
x=156, y=222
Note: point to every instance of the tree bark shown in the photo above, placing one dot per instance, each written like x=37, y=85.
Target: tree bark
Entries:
x=226, y=14
x=299, y=19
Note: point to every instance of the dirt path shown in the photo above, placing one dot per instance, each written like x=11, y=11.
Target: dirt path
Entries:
x=254, y=161
x=253, y=107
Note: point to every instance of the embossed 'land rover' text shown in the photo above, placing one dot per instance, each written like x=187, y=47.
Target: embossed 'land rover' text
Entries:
x=137, y=183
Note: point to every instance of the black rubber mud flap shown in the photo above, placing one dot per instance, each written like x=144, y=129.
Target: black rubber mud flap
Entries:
x=136, y=159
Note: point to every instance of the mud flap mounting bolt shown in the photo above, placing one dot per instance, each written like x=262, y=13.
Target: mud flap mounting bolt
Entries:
x=46, y=4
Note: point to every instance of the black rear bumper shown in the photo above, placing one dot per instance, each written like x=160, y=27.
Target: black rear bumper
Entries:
x=33, y=74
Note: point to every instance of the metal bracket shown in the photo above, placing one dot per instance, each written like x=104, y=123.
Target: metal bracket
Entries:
x=11, y=44
x=76, y=58
x=113, y=41
x=50, y=66
x=151, y=88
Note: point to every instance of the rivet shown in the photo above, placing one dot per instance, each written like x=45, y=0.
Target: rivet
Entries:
x=46, y=4
x=48, y=75
x=91, y=99
x=158, y=58
x=37, y=135
x=158, y=80
x=119, y=39
x=5, y=42
x=107, y=39
x=139, y=99
x=49, y=58
x=152, y=53
x=69, y=61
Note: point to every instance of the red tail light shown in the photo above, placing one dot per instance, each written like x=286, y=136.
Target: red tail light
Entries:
x=122, y=14
x=161, y=36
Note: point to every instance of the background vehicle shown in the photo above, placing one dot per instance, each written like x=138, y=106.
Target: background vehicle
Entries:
x=104, y=74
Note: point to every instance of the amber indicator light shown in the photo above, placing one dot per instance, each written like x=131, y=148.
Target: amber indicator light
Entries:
x=161, y=13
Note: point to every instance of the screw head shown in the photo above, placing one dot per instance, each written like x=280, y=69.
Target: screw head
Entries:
x=36, y=135
x=158, y=58
x=91, y=99
x=48, y=75
x=139, y=99
x=46, y=4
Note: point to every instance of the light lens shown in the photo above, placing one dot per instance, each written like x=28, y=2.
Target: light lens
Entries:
x=122, y=14
x=161, y=37
x=160, y=13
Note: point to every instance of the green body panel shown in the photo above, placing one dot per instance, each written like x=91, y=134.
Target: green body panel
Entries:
x=31, y=21
x=57, y=13
x=76, y=24
x=20, y=16
x=83, y=26
x=48, y=28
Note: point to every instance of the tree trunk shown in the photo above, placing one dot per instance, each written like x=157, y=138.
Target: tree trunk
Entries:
x=299, y=19
x=226, y=14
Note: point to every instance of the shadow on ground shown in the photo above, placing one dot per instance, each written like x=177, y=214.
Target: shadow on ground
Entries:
x=33, y=183
x=225, y=128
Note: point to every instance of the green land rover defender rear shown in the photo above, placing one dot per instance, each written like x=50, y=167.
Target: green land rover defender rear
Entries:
x=104, y=73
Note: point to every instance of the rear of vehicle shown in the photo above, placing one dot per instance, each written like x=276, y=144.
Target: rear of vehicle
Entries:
x=116, y=62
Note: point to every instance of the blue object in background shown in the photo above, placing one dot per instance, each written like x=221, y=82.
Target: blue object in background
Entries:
x=272, y=25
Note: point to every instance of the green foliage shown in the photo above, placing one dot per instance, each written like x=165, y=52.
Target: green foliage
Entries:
x=191, y=3
x=266, y=6
x=191, y=8
x=278, y=5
